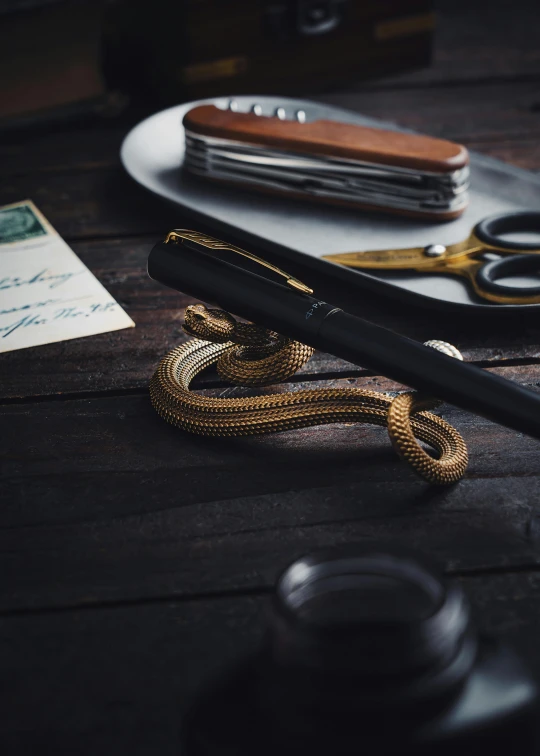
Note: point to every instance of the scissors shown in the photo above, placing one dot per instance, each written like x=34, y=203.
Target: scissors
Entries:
x=483, y=258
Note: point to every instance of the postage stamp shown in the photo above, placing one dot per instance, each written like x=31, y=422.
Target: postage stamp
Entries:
x=18, y=223
x=47, y=294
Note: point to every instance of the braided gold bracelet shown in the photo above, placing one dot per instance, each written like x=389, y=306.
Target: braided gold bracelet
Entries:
x=252, y=356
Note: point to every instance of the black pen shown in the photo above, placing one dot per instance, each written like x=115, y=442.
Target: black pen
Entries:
x=224, y=275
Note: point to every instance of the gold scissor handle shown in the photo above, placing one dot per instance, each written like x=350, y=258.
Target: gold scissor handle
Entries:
x=464, y=259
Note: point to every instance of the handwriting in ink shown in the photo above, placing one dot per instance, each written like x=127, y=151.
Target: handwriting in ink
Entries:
x=76, y=312
x=30, y=306
x=59, y=314
x=28, y=320
x=44, y=276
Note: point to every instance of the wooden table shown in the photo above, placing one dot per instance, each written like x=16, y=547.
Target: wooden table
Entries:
x=135, y=560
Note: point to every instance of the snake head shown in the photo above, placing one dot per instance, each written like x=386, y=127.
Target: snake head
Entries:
x=210, y=325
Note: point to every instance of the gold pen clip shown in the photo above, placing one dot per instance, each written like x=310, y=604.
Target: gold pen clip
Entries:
x=209, y=242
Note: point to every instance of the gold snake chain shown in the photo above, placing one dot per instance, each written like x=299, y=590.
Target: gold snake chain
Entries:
x=252, y=356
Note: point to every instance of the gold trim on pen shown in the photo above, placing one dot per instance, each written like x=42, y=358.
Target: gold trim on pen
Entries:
x=178, y=234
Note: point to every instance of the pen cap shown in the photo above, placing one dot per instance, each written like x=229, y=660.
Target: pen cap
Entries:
x=213, y=277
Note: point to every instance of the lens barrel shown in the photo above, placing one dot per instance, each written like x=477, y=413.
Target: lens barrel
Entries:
x=366, y=651
x=355, y=633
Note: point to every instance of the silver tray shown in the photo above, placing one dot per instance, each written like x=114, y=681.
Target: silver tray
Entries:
x=153, y=154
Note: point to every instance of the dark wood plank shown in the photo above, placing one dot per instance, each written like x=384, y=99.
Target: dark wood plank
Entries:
x=97, y=203
x=117, y=680
x=64, y=148
x=103, y=501
x=123, y=524
x=479, y=41
x=169, y=555
x=487, y=111
x=125, y=360
x=114, y=681
x=89, y=460
x=109, y=435
x=521, y=151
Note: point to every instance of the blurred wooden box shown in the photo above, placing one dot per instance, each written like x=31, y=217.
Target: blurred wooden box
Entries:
x=50, y=59
x=200, y=48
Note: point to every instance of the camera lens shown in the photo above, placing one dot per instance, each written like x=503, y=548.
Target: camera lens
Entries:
x=386, y=624
x=366, y=651
x=363, y=589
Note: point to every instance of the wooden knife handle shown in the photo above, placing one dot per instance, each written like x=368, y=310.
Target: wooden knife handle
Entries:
x=330, y=138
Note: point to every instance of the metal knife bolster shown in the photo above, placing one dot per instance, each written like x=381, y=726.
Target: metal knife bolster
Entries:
x=336, y=179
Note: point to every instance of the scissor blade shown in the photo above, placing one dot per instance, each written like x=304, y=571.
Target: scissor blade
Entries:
x=390, y=259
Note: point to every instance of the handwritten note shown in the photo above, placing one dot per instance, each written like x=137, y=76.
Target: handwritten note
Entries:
x=46, y=293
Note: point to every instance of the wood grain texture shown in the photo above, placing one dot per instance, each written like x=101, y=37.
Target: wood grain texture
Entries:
x=118, y=679
x=139, y=509
x=169, y=555
x=136, y=560
x=479, y=42
x=461, y=113
x=321, y=137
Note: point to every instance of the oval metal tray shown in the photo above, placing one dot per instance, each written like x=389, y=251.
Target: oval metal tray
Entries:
x=153, y=154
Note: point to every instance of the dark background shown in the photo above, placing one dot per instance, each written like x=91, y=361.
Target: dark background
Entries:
x=136, y=560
